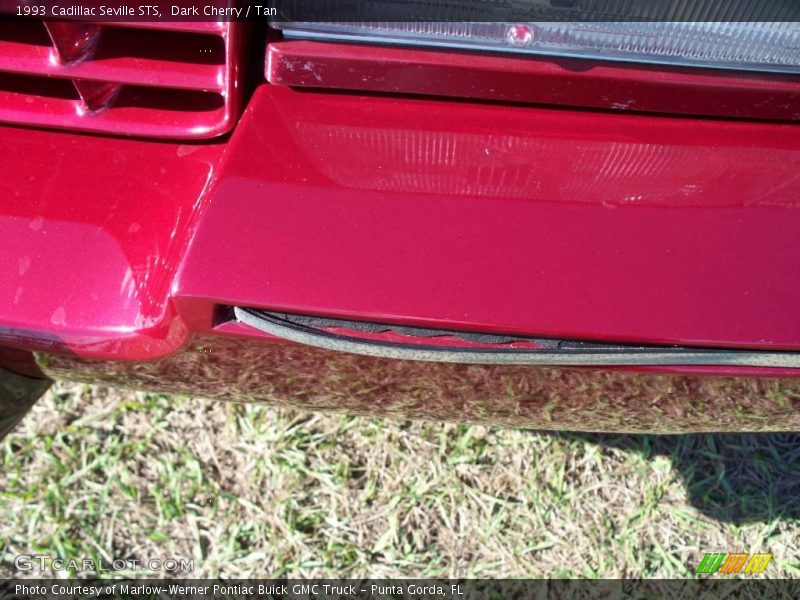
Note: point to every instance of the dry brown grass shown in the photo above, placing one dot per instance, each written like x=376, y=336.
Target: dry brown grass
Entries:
x=248, y=490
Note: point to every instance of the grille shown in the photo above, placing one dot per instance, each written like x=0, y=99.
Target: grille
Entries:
x=167, y=80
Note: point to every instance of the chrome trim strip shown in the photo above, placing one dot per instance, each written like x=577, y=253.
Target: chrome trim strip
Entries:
x=625, y=356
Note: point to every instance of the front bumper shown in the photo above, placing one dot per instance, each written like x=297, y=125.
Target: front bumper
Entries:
x=567, y=224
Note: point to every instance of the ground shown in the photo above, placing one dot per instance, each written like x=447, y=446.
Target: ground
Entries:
x=246, y=490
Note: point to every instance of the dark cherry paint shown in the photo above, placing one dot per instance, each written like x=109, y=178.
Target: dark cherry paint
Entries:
x=543, y=80
x=93, y=230
x=506, y=219
x=120, y=255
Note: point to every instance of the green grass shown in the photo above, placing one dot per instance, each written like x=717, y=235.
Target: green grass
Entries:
x=246, y=490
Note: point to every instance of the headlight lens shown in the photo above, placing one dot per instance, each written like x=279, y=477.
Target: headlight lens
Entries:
x=758, y=46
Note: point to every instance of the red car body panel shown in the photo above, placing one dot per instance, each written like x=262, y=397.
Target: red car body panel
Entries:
x=515, y=220
x=536, y=221
x=535, y=79
x=93, y=230
x=122, y=256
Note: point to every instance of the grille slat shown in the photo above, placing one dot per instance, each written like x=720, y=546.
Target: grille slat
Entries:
x=38, y=60
x=210, y=27
x=123, y=62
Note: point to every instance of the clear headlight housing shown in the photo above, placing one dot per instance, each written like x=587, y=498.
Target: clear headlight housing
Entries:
x=747, y=46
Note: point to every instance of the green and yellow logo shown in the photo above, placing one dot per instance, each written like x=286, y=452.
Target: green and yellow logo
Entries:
x=732, y=564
